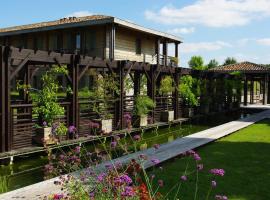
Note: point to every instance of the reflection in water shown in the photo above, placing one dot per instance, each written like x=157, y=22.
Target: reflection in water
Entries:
x=28, y=170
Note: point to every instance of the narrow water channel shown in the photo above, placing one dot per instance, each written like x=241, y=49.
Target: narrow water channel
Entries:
x=28, y=170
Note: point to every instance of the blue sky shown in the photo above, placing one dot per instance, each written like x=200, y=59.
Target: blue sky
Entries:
x=210, y=28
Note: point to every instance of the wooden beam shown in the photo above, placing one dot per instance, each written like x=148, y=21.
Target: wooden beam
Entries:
x=129, y=65
x=21, y=65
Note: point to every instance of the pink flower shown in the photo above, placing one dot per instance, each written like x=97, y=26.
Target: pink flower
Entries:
x=217, y=172
x=113, y=144
x=183, y=178
x=200, y=167
x=160, y=183
x=213, y=184
x=128, y=192
x=137, y=137
x=155, y=161
x=77, y=149
x=196, y=157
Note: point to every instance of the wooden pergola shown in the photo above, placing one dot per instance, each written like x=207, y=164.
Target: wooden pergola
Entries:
x=251, y=74
x=16, y=117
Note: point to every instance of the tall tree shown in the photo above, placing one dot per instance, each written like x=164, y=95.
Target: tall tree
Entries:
x=196, y=62
x=229, y=61
x=212, y=63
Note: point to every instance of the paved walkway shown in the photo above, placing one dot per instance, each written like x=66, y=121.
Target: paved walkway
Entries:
x=165, y=152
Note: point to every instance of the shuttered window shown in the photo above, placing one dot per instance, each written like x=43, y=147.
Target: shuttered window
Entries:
x=138, y=46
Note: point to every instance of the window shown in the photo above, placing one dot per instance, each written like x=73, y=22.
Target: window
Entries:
x=138, y=46
x=90, y=41
x=78, y=41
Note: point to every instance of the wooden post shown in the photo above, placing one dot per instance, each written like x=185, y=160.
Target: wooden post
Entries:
x=137, y=80
x=158, y=51
x=176, y=94
x=265, y=89
x=74, y=73
x=2, y=96
x=119, y=110
x=245, y=90
x=151, y=87
x=165, y=52
x=176, y=52
x=268, y=93
x=252, y=91
x=112, y=41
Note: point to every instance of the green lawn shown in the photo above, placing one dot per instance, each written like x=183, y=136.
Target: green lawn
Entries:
x=245, y=156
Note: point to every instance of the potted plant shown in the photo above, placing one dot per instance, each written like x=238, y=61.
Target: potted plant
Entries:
x=45, y=103
x=60, y=131
x=104, y=92
x=143, y=105
x=188, y=95
x=166, y=89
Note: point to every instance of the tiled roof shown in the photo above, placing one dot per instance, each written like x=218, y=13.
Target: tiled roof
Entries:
x=68, y=20
x=243, y=66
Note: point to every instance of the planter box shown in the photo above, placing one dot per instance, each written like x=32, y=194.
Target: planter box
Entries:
x=167, y=116
x=106, y=125
x=42, y=135
x=188, y=112
x=140, y=121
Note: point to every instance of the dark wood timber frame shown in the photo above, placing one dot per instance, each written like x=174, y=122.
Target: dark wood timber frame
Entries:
x=16, y=117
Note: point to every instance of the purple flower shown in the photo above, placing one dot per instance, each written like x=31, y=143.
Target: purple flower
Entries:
x=113, y=144
x=137, y=137
x=196, y=157
x=213, y=184
x=200, y=167
x=72, y=129
x=155, y=161
x=128, y=192
x=160, y=183
x=217, y=172
x=221, y=197
x=101, y=177
x=183, y=178
x=92, y=194
x=77, y=149
x=143, y=157
x=44, y=124
x=156, y=146
x=127, y=117
x=126, y=179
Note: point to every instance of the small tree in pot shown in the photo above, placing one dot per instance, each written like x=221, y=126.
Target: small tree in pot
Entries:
x=188, y=95
x=166, y=89
x=143, y=105
x=45, y=103
x=104, y=92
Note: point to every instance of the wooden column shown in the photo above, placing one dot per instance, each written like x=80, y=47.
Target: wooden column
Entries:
x=74, y=74
x=151, y=87
x=165, y=52
x=119, y=108
x=176, y=52
x=245, y=90
x=252, y=91
x=265, y=89
x=3, y=100
x=111, y=41
x=176, y=94
x=268, y=96
x=158, y=50
x=137, y=80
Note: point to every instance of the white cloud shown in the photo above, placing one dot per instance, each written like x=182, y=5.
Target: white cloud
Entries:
x=182, y=30
x=203, y=46
x=264, y=41
x=212, y=13
x=79, y=14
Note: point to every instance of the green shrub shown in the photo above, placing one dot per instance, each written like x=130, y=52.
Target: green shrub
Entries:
x=143, y=105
